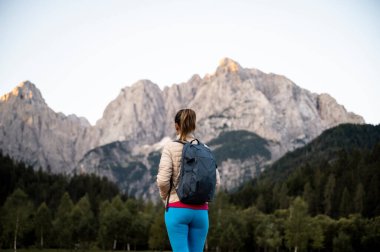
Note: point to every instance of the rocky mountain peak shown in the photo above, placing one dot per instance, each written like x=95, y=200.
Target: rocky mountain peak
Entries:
x=195, y=78
x=139, y=91
x=144, y=85
x=32, y=132
x=227, y=65
x=132, y=114
x=233, y=99
x=26, y=91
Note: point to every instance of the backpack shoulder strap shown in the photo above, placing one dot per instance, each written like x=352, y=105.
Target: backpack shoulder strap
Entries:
x=171, y=179
x=195, y=139
x=179, y=141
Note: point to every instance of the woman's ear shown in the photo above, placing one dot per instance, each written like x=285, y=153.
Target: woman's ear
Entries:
x=176, y=127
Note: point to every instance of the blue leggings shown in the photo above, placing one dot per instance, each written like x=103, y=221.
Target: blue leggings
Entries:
x=187, y=229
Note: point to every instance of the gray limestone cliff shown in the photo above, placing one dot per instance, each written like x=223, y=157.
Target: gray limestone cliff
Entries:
x=233, y=99
x=137, y=115
x=31, y=132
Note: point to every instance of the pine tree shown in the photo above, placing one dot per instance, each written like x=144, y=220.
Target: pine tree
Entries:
x=276, y=195
x=329, y=195
x=106, y=219
x=284, y=198
x=231, y=238
x=359, y=198
x=126, y=227
x=308, y=196
x=342, y=243
x=297, y=229
x=345, y=203
x=83, y=218
x=63, y=223
x=373, y=197
x=158, y=238
x=42, y=223
x=267, y=233
x=260, y=203
x=16, y=219
x=318, y=191
x=316, y=234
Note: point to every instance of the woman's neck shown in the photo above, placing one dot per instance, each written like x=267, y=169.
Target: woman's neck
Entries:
x=188, y=136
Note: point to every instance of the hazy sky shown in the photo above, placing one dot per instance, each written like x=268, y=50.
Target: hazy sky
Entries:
x=80, y=54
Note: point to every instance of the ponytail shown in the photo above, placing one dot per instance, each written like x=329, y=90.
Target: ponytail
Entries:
x=185, y=118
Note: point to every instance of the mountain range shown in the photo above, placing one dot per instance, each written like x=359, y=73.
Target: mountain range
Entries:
x=248, y=117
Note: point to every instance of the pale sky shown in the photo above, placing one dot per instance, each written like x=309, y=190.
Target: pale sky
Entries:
x=80, y=54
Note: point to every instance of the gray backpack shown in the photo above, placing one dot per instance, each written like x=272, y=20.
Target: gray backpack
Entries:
x=198, y=174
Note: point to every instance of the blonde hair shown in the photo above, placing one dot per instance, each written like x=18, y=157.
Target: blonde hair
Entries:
x=186, y=119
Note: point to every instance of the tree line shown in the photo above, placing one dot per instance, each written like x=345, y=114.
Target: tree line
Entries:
x=337, y=174
x=323, y=197
x=133, y=225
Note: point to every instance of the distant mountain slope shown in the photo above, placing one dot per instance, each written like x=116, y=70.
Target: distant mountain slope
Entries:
x=338, y=173
x=239, y=145
x=347, y=137
x=133, y=171
x=281, y=115
x=240, y=155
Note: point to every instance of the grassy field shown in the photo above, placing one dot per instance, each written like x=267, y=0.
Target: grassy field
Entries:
x=65, y=250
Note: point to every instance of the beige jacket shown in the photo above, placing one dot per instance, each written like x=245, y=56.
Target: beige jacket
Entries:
x=170, y=164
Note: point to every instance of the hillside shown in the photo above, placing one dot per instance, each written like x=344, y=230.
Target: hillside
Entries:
x=326, y=147
x=240, y=153
x=338, y=173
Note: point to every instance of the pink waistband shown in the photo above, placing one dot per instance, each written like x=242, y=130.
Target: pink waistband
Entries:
x=179, y=204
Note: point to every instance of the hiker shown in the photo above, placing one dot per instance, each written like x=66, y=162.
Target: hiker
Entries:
x=186, y=224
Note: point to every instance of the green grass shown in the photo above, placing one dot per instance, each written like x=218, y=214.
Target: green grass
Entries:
x=65, y=250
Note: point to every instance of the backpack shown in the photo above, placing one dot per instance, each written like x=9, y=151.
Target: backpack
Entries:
x=197, y=175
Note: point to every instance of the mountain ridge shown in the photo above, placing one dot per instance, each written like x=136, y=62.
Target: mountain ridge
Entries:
x=230, y=100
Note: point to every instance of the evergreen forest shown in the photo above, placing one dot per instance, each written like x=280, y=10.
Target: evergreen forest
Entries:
x=324, y=196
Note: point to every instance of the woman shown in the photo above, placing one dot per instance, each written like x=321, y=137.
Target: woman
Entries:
x=187, y=225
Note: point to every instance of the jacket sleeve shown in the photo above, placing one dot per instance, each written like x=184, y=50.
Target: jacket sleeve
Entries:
x=165, y=170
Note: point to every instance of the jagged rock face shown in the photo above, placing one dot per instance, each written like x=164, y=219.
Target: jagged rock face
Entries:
x=136, y=115
x=231, y=99
x=30, y=131
x=333, y=114
x=177, y=97
x=270, y=105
